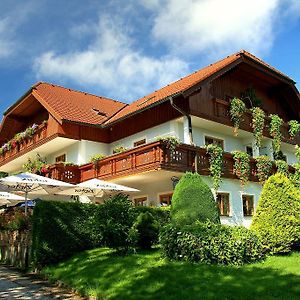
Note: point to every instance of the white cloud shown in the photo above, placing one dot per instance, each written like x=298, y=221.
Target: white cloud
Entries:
x=112, y=63
x=190, y=26
x=6, y=43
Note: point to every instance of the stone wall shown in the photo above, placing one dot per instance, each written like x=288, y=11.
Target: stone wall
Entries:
x=15, y=248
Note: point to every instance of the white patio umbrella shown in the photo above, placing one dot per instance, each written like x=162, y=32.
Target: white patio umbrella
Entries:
x=33, y=184
x=96, y=188
x=9, y=198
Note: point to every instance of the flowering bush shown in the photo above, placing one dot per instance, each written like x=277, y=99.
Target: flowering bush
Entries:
x=36, y=166
x=18, y=138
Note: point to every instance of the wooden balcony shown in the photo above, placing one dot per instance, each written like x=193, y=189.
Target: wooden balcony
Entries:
x=25, y=145
x=149, y=157
x=66, y=173
x=221, y=114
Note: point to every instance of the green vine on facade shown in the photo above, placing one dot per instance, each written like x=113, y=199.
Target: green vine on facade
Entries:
x=275, y=132
x=264, y=167
x=282, y=167
x=216, y=164
x=258, y=123
x=237, y=109
x=294, y=128
x=241, y=166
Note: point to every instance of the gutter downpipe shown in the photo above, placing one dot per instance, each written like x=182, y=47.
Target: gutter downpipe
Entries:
x=190, y=129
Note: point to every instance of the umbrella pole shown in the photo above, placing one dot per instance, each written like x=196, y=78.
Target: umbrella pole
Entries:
x=26, y=203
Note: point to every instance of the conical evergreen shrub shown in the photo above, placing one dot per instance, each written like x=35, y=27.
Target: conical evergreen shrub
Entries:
x=193, y=201
x=277, y=217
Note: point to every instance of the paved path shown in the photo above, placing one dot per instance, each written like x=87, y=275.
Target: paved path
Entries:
x=15, y=285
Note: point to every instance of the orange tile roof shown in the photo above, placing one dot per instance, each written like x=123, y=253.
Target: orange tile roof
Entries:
x=76, y=106
x=184, y=84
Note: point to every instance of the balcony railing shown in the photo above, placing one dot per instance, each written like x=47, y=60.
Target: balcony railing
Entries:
x=221, y=111
x=149, y=157
x=66, y=173
x=25, y=144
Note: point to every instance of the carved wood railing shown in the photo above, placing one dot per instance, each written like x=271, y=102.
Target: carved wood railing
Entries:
x=66, y=173
x=149, y=157
x=25, y=145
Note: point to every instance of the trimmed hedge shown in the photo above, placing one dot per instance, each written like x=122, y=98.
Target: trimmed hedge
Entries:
x=193, y=201
x=61, y=229
x=211, y=244
x=277, y=217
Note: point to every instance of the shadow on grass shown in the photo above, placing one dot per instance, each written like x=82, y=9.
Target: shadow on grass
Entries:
x=146, y=276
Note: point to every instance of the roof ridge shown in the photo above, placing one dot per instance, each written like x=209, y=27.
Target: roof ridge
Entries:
x=187, y=76
x=74, y=90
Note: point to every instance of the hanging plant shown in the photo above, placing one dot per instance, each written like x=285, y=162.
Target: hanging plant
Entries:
x=294, y=128
x=241, y=166
x=275, y=125
x=282, y=167
x=264, y=167
x=170, y=142
x=237, y=109
x=216, y=164
x=258, y=123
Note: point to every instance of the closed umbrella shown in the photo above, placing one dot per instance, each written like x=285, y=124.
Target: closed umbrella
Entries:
x=29, y=183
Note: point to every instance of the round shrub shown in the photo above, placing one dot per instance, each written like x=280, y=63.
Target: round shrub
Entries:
x=211, y=244
x=277, y=217
x=193, y=200
x=147, y=229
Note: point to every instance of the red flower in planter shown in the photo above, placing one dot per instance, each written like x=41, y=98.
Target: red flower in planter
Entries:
x=44, y=170
x=14, y=144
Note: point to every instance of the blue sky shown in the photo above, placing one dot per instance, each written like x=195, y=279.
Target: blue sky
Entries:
x=124, y=49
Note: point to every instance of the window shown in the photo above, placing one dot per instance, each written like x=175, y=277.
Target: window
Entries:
x=141, y=201
x=248, y=205
x=61, y=158
x=249, y=150
x=223, y=204
x=139, y=143
x=211, y=140
x=165, y=199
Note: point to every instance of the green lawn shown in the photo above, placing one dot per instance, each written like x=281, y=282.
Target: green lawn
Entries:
x=146, y=276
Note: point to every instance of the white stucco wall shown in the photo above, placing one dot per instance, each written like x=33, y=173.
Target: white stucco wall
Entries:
x=164, y=186
x=80, y=152
x=171, y=128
